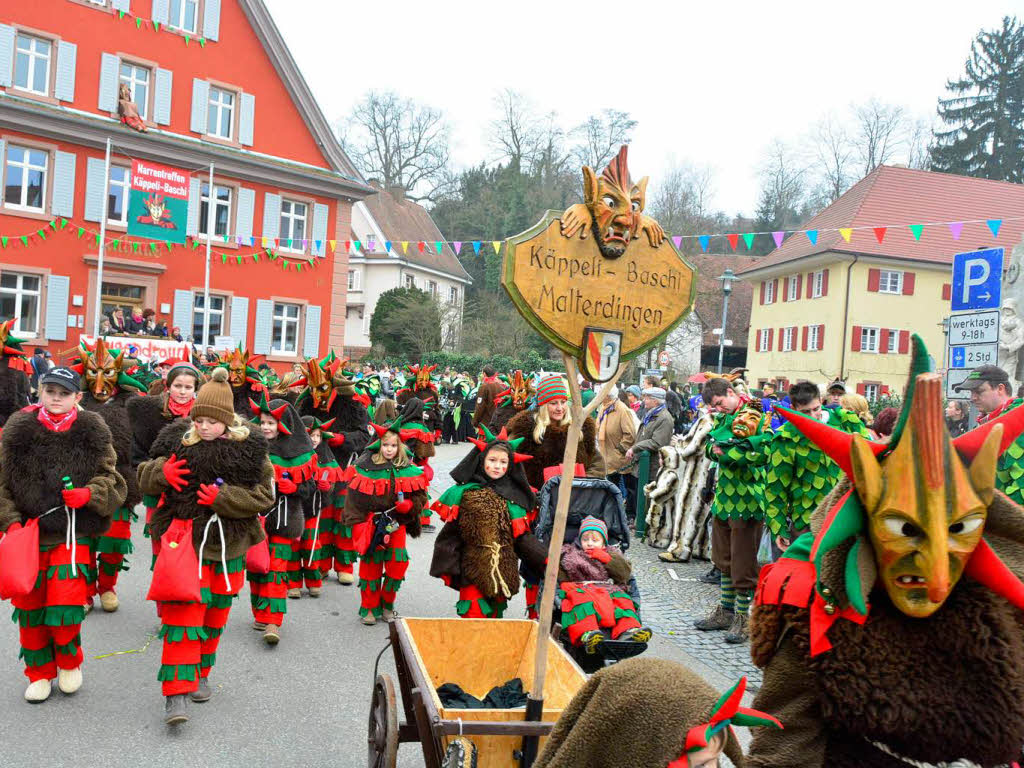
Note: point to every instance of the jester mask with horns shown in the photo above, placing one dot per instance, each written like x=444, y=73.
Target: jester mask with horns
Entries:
x=518, y=394
x=105, y=370
x=421, y=374
x=612, y=209
x=240, y=371
x=913, y=522
x=323, y=382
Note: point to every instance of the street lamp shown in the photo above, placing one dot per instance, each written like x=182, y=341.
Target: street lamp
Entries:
x=727, y=278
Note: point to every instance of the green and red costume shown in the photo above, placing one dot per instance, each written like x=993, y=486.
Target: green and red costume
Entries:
x=420, y=439
x=1010, y=470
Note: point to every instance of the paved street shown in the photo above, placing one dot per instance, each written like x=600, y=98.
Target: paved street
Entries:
x=302, y=703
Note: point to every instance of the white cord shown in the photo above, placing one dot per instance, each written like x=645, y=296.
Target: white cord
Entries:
x=316, y=529
x=223, y=549
x=69, y=537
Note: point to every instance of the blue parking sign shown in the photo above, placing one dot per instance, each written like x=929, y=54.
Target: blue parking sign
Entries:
x=977, y=280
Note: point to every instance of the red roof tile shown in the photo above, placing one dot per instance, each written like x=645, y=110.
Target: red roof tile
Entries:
x=895, y=197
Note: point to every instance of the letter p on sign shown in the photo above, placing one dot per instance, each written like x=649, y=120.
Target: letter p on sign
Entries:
x=977, y=280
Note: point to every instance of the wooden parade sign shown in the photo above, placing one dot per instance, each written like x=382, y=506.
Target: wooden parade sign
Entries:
x=600, y=266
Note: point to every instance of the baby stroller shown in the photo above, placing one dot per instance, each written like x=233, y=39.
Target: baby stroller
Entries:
x=603, y=500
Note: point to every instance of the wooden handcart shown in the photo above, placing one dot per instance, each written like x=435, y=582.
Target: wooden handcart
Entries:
x=477, y=654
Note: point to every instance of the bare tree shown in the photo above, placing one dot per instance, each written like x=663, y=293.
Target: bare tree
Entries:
x=918, y=141
x=834, y=154
x=599, y=138
x=514, y=134
x=399, y=141
x=782, y=188
x=494, y=327
x=879, y=132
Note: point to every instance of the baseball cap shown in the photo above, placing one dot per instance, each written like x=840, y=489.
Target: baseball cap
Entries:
x=990, y=374
x=65, y=377
x=837, y=384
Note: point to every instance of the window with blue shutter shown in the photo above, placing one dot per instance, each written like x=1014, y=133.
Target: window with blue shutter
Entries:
x=200, y=104
x=64, y=184
x=246, y=119
x=109, y=66
x=161, y=11
x=192, y=225
x=319, y=229
x=311, y=334
x=162, y=97
x=271, y=216
x=263, y=327
x=239, y=319
x=183, y=311
x=243, y=219
x=94, y=189
x=58, y=288
x=64, y=86
x=211, y=19
x=6, y=55
x=121, y=5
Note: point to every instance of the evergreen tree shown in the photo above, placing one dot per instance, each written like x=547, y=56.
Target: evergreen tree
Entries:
x=985, y=114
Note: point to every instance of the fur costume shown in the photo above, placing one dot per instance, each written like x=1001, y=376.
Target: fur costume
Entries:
x=486, y=397
x=422, y=387
x=14, y=389
x=148, y=416
x=548, y=453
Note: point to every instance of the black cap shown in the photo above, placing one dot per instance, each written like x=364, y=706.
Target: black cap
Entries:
x=65, y=377
x=991, y=374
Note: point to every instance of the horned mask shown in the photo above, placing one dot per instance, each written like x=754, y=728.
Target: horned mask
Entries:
x=104, y=370
x=615, y=205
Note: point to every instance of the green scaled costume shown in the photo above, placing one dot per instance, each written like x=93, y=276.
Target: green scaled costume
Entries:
x=1010, y=469
x=799, y=474
x=739, y=493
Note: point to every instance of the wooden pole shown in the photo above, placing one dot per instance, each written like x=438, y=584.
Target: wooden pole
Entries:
x=547, y=602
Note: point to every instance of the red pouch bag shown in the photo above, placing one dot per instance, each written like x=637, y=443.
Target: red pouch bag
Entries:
x=176, y=573
x=257, y=559
x=19, y=559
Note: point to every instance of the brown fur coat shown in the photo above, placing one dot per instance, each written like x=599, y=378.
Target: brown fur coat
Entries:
x=548, y=452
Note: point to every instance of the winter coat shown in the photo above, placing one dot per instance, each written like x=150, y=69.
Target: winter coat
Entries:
x=549, y=452
x=148, y=415
x=464, y=550
x=361, y=502
x=247, y=491
x=115, y=413
x=616, y=433
x=350, y=419
x=33, y=461
x=485, y=402
x=653, y=436
x=576, y=565
x=14, y=390
x=501, y=417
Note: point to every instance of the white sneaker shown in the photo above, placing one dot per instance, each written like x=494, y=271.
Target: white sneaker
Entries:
x=38, y=691
x=69, y=680
x=369, y=620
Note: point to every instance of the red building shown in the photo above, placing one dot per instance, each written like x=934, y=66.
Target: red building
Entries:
x=214, y=83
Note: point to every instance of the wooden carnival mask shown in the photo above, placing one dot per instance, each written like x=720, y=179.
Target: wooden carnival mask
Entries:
x=519, y=390
x=612, y=209
x=104, y=370
x=240, y=370
x=925, y=507
x=319, y=375
x=422, y=374
x=749, y=420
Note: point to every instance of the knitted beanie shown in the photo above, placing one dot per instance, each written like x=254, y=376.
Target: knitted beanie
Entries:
x=215, y=400
x=183, y=367
x=552, y=388
x=591, y=523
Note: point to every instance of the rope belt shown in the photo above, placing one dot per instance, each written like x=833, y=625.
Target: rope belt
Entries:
x=318, y=506
x=961, y=763
x=278, y=510
x=497, y=580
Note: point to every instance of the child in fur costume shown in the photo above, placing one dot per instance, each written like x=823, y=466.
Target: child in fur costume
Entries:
x=317, y=543
x=291, y=453
x=420, y=440
x=486, y=529
x=14, y=373
x=214, y=476
x=57, y=467
x=686, y=725
x=592, y=589
x=386, y=495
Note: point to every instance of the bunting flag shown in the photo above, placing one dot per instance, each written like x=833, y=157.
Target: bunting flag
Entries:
x=355, y=243
x=420, y=246
x=994, y=225
x=476, y=247
x=387, y=246
x=748, y=238
x=439, y=245
x=778, y=238
x=405, y=246
x=733, y=240
x=334, y=245
x=458, y=246
x=916, y=230
x=846, y=232
x=497, y=245
x=141, y=21
x=677, y=241
x=955, y=228
x=879, y=234
x=812, y=235
x=704, y=241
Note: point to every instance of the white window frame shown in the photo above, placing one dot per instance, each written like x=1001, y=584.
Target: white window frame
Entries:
x=410, y=281
x=27, y=167
x=432, y=288
x=176, y=16
x=787, y=338
x=133, y=81
x=126, y=185
x=199, y=313
x=818, y=284
x=216, y=107
x=894, y=342
x=872, y=392
x=869, y=337
x=19, y=292
x=453, y=294
x=769, y=292
x=353, y=280
x=791, y=283
x=34, y=59
x=283, y=315
x=289, y=218
x=204, y=202
x=765, y=342
x=886, y=277
x=813, y=338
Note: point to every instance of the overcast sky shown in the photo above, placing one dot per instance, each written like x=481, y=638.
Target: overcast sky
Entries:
x=709, y=82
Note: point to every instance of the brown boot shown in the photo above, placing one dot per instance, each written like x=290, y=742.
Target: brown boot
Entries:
x=719, y=618
x=272, y=634
x=739, y=632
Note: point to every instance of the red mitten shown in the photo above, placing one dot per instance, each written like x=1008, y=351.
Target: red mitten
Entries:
x=324, y=485
x=286, y=486
x=601, y=555
x=403, y=506
x=207, y=493
x=175, y=470
x=76, y=497
x=337, y=440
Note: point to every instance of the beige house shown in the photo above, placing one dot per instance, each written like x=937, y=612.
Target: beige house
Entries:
x=397, y=248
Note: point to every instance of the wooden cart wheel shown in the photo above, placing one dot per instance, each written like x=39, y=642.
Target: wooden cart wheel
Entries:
x=382, y=735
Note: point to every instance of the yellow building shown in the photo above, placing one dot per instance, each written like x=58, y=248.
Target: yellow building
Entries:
x=827, y=308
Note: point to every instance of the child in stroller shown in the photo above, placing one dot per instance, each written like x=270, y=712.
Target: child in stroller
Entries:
x=592, y=591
